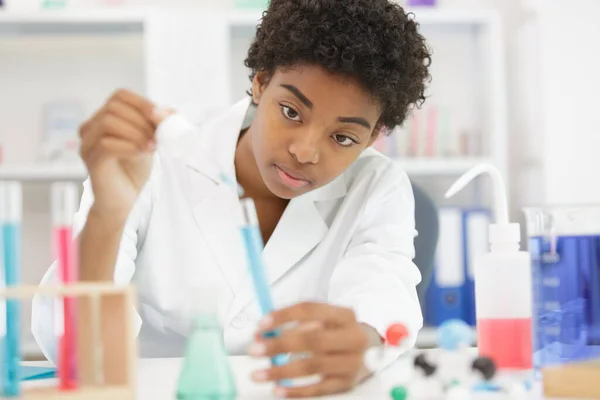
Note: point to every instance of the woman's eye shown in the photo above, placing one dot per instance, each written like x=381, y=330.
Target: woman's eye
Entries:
x=291, y=114
x=343, y=140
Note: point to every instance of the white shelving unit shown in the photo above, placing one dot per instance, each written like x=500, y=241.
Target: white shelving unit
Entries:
x=118, y=22
x=177, y=57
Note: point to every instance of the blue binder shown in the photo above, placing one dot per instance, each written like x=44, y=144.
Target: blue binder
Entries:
x=451, y=293
x=476, y=224
x=446, y=294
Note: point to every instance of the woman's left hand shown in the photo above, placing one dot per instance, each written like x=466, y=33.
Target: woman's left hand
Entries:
x=335, y=341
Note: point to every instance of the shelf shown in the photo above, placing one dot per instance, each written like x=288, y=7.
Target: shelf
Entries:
x=440, y=166
x=72, y=22
x=120, y=21
x=43, y=173
x=424, y=16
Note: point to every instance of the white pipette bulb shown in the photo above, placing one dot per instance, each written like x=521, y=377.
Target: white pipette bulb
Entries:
x=502, y=230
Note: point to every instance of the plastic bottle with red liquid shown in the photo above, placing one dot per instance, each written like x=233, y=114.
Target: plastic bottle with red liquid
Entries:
x=503, y=285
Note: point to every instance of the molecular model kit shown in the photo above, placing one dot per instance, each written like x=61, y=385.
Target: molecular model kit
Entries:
x=454, y=371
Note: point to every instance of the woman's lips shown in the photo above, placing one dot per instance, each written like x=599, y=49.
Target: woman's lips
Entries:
x=290, y=178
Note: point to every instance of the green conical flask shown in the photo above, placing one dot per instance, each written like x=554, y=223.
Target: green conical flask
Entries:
x=206, y=372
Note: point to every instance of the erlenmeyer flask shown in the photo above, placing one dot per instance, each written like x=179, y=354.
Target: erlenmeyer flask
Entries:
x=206, y=372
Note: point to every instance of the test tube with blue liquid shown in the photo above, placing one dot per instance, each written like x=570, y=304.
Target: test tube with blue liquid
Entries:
x=10, y=245
x=254, y=247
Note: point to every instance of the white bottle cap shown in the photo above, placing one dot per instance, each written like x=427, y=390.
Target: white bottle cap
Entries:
x=11, y=202
x=502, y=231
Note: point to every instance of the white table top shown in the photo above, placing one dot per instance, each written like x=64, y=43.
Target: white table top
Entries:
x=158, y=380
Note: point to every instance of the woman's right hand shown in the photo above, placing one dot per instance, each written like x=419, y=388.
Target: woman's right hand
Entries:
x=117, y=145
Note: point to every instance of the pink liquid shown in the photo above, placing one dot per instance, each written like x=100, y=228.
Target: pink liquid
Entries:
x=507, y=341
x=67, y=262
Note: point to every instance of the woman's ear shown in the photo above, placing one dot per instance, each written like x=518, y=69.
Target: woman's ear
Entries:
x=259, y=84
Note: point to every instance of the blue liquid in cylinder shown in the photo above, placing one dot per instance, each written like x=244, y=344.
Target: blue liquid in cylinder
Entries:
x=566, y=299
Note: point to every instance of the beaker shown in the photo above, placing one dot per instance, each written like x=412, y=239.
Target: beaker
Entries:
x=564, y=243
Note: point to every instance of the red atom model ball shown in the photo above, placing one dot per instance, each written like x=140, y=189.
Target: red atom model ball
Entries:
x=395, y=334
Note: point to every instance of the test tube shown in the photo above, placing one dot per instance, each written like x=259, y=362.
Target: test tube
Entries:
x=253, y=243
x=11, y=214
x=64, y=206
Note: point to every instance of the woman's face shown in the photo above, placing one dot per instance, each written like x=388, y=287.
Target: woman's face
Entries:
x=309, y=127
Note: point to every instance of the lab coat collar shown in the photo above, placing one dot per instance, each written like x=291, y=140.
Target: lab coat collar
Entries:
x=288, y=244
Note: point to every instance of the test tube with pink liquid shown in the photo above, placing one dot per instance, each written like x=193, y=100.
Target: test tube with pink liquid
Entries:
x=65, y=198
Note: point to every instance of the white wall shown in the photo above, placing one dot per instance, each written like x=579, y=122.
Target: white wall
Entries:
x=553, y=59
x=570, y=55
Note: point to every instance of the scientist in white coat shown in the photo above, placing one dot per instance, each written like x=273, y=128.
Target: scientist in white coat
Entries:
x=337, y=218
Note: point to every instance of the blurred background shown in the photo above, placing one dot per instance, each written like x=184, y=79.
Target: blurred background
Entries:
x=514, y=84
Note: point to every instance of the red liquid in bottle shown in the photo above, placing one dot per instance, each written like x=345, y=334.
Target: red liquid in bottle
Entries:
x=507, y=341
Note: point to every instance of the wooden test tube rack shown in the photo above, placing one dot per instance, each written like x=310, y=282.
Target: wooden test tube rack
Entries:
x=107, y=352
x=574, y=380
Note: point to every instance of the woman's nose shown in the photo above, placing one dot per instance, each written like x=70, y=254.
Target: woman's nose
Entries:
x=305, y=150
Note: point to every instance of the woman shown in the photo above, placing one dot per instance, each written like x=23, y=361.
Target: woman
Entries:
x=328, y=77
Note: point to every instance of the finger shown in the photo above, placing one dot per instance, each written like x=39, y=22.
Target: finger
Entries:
x=114, y=127
x=87, y=126
x=297, y=339
x=131, y=115
x=327, y=365
x=118, y=127
x=328, y=386
x=113, y=147
x=309, y=311
x=160, y=114
x=313, y=338
x=142, y=104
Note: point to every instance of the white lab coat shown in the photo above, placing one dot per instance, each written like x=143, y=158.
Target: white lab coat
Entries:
x=349, y=243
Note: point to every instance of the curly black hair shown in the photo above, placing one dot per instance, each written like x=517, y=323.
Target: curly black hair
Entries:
x=373, y=41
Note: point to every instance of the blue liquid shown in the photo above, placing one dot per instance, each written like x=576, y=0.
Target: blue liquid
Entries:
x=254, y=246
x=11, y=358
x=566, y=299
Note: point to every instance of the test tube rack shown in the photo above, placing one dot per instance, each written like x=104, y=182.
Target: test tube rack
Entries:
x=106, y=345
x=573, y=380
